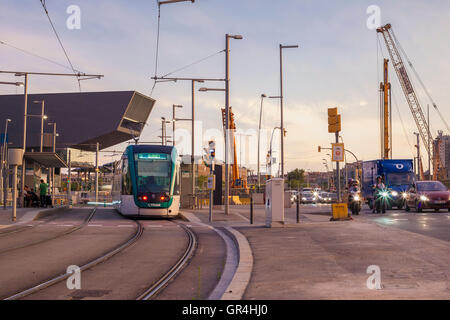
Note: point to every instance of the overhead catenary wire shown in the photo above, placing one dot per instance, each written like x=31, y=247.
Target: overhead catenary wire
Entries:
x=60, y=43
x=157, y=45
x=38, y=56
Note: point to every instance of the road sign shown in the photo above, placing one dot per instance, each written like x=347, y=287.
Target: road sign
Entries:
x=211, y=182
x=338, y=152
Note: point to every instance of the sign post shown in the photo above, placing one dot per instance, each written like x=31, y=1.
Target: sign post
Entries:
x=340, y=210
x=211, y=177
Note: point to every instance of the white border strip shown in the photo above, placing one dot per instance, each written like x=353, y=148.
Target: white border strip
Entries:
x=238, y=266
x=241, y=278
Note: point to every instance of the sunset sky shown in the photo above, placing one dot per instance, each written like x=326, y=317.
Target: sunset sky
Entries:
x=338, y=63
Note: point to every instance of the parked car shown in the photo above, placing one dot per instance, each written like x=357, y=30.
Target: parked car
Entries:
x=308, y=197
x=428, y=195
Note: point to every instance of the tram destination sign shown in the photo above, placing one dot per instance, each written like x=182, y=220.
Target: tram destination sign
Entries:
x=152, y=156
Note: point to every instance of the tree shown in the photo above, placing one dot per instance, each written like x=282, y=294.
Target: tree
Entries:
x=296, y=178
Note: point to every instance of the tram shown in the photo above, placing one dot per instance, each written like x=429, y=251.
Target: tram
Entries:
x=147, y=182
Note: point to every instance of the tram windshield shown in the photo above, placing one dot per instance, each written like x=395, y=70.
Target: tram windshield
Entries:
x=154, y=171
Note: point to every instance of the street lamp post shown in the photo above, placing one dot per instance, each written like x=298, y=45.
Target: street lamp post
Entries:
x=54, y=151
x=227, y=115
x=173, y=121
x=270, y=150
x=4, y=168
x=42, y=102
x=281, y=105
x=259, y=138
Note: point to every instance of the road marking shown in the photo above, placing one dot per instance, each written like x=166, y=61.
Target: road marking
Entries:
x=154, y=226
x=64, y=225
x=95, y=225
x=125, y=225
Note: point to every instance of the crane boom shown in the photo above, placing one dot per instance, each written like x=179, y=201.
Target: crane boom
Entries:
x=406, y=84
x=410, y=94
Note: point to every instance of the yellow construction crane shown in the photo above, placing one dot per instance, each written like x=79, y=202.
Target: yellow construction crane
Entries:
x=385, y=113
x=236, y=181
x=392, y=45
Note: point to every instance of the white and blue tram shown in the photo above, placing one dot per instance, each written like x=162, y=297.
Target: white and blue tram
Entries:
x=147, y=182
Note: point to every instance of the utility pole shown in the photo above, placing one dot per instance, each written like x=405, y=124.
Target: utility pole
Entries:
x=96, y=171
x=174, y=119
x=69, y=182
x=429, y=143
x=418, y=155
x=281, y=105
x=193, y=143
x=259, y=138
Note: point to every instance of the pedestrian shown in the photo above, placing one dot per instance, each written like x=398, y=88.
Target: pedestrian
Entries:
x=43, y=187
x=27, y=196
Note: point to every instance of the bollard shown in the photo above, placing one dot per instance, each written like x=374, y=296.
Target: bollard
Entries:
x=251, y=209
x=298, y=209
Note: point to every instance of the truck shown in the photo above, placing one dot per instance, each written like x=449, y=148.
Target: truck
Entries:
x=397, y=175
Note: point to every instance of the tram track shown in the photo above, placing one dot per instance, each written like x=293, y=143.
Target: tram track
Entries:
x=59, y=235
x=163, y=281
x=150, y=293
x=127, y=243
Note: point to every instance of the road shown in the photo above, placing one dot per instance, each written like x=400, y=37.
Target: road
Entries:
x=429, y=223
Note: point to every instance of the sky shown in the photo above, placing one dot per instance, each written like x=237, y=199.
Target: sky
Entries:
x=338, y=64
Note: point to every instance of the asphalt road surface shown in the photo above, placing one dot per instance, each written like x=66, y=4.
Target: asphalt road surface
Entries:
x=429, y=223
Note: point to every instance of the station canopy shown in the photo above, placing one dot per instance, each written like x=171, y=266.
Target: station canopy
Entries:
x=82, y=120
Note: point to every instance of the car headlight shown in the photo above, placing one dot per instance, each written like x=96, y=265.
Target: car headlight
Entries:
x=394, y=193
x=303, y=198
x=423, y=198
x=356, y=198
x=404, y=195
x=384, y=194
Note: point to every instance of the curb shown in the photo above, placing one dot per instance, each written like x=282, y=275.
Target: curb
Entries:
x=43, y=213
x=241, y=278
x=238, y=265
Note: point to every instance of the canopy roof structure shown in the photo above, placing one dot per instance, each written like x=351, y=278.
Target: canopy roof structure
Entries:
x=82, y=119
x=46, y=159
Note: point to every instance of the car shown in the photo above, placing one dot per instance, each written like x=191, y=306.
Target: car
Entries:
x=427, y=195
x=333, y=198
x=308, y=197
x=293, y=195
x=323, y=197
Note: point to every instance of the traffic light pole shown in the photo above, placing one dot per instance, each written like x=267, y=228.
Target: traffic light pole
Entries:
x=338, y=173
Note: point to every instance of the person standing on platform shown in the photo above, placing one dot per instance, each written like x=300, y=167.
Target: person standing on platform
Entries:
x=43, y=187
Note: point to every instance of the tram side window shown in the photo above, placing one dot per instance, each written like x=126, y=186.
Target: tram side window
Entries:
x=127, y=188
x=176, y=188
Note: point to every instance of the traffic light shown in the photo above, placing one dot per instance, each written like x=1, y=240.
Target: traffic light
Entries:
x=212, y=149
x=334, y=120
